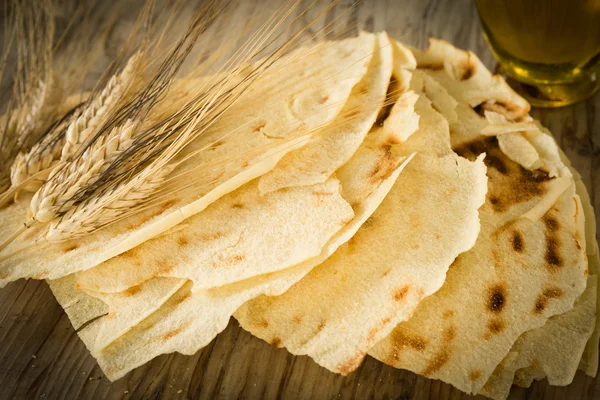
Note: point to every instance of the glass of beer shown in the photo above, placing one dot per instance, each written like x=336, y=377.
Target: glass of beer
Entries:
x=549, y=50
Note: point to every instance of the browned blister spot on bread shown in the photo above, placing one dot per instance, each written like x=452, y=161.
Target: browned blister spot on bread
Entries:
x=228, y=261
x=553, y=255
x=551, y=223
x=132, y=291
x=216, y=144
x=517, y=241
x=186, y=296
x=437, y=362
x=259, y=126
x=385, y=166
x=209, y=236
x=321, y=326
x=276, y=341
x=511, y=111
x=497, y=163
x=495, y=325
x=474, y=375
x=512, y=184
x=183, y=241
x=70, y=246
x=163, y=267
x=171, y=334
x=402, y=339
x=449, y=334
x=320, y=193
x=133, y=256
x=467, y=69
x=441, y=357
x=263, y=323
x=401, y=293
x=542, y=300
x=496, y=298
x=434, y=66
x=314, y=333
x=392, y=139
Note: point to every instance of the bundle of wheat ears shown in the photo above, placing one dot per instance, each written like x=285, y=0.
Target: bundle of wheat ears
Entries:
x=338, y=197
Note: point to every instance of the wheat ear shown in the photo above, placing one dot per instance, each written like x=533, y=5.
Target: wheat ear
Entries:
x=54, y=197
x=41, y=109
x=57, y=146
x=41, y=158
x=30, y=120
x=101, y=210
x=96, y=111
x=21, y=132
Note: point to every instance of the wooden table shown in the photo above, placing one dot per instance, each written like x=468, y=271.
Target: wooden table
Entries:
x=41, y=356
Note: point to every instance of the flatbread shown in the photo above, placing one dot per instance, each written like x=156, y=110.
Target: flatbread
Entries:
x=468, y=327
x=565, y=342
x=404, y=64
x=355, y=298
x=79, y=306
x=332, y=146
x=228, y=242
x=469, y=81
x=529, y=247
x=291, y=99
x=525, y=142
x=589, y=359
x=189, y=320
x=552, y=351
x=366, y=179
x=118, y=274
x=400, y=256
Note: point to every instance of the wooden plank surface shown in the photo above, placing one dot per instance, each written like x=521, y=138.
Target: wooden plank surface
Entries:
x=41, y=356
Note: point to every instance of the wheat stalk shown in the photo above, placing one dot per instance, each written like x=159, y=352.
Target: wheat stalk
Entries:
x=23, y=129
x=58, y=146
x=7, y=147
x=96, y=111
x=66, y=182
x=31, y=119
x=60, y=201
x=42, y=157
x=99, y=211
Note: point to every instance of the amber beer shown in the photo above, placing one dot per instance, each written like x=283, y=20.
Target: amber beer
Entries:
x=550, y=48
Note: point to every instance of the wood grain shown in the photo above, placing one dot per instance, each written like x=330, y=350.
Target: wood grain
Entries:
x=41, y=356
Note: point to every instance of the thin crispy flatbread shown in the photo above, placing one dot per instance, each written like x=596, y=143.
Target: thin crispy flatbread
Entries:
x=400, y=256
x=236, y=150
x=332, y=147
x=119, y=273
x=529, y=249
x=189, y=320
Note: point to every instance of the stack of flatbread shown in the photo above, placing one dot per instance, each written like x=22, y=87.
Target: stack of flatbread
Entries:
x=426, y=220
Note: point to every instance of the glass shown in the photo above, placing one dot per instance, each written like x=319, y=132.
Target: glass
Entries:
x=548, y=49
